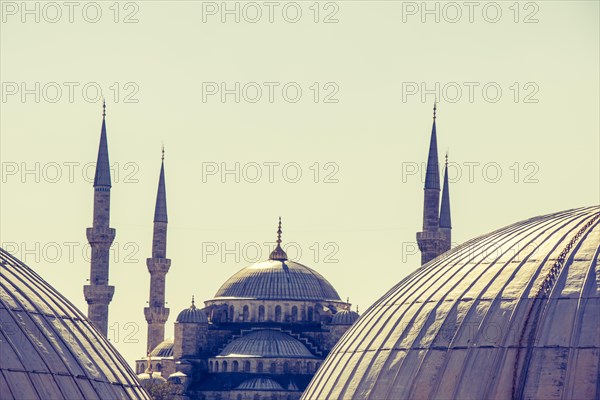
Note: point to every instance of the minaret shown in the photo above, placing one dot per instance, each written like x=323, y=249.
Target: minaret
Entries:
x=445, y=220
x=99, y=293
x=158, y=266
x=429, y=240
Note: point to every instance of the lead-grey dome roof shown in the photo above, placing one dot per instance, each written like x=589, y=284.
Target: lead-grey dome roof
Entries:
x=344, y=317
x=192, y=315
x=456, y=327
x=163, y=349
x=266, y=343
x=260, y=383
x=48, y=349
x=278, y=280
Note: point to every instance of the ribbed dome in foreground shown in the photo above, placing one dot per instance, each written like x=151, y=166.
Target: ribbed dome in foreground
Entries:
x=278, y=280
x=48, y=349
x=266, y=343
x=511, y=314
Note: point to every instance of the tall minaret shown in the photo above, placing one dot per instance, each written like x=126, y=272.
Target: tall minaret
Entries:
x=158, y=266
x=99, y=293
x=445, y=220
x=430, y=240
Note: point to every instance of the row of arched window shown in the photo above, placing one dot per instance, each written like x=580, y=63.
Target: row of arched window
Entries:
x=299, y=367
x=261, y=314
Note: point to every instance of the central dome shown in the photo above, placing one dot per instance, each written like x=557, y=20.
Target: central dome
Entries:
x=278, y=280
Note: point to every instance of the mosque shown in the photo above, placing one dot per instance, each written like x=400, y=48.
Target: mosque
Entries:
x=511, y=314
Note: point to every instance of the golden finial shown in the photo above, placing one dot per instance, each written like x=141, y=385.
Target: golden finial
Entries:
x=278, y=254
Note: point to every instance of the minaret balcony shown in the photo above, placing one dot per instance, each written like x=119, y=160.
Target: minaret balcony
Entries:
x=158, y=265
x=98, y=294
x=156, y=315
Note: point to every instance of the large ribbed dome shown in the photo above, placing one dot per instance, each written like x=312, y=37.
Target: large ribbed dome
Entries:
x=511, y=314
x=278, y=280
x=266, y=343
x=48, y=349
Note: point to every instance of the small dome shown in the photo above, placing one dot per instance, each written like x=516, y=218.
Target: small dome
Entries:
x=344, y=317
x=177, y=378
x=49, y=349
x=164, y=349
x=510, y=314
x=266, y=343
x=148, y=378
x=278, y=280
x=192, y=315
x=259, y=384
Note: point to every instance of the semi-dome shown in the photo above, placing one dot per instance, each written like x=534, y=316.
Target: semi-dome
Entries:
x=344, y=317
x=49, y=349
x=278, y=280
x=511, y=314
x=164, y=349
x=259, y=384
x=192, y=315
x=266, y=343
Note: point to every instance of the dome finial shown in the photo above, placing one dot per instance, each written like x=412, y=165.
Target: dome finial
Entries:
x=278, y=254
x=193, y=306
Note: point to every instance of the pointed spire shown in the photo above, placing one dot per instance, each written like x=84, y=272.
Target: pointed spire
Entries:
x=278, y=254
x=445, y=221
x=160, y=211
x=102, y=176
x=432, y=176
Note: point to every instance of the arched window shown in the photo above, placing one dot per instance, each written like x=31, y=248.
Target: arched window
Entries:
x=317, y=366
x=158, y=367
x=246, y=313
x=232, y=313
x=309, y=367
x=210, y=366
x=309, y=317
x=235, y=366
x=247, y=366
x=298, y=367
x=261, y=313
x=317, y=316
x=224, y=366
x=286, y=367
x=294, y=314
x=278, y=313
x=216, y=366
x=259, y=367
x=273, y=368
x=225, y=314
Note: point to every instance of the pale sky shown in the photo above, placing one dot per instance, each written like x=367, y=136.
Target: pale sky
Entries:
x=381, y=63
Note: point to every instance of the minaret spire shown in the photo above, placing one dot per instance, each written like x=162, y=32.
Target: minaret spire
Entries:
x=158, y=265
x=445, y=220
x=430, y=240
x=98, y=294
x=278, y=254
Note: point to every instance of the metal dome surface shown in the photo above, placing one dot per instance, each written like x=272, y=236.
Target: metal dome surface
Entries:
x=266, y=343
x=49, y=349
x=164, y=349
x=511, y=314
x=259, y=384
x=278, y=280
x=192, y=315
x=344, y=317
